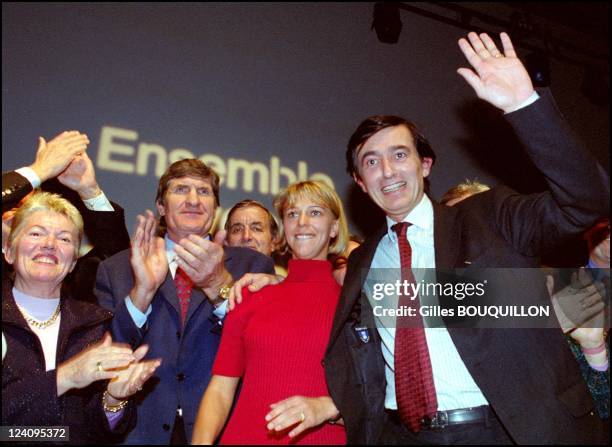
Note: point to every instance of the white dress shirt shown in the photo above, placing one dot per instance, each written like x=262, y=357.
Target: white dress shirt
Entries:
x=455, y=387
x=98, y=203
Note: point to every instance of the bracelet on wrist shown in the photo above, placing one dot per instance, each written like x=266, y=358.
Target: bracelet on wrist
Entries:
x=594, y=351
x=112, y=408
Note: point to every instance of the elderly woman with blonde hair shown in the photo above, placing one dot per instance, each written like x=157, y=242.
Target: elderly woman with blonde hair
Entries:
x=276, y=339
x=60, y=369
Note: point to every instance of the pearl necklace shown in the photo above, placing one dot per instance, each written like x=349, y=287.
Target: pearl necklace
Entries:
x=41, y=324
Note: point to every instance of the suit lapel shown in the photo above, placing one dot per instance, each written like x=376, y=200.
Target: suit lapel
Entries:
x=353, y=282
x=197, y=298
x=168, y=292
x=447, y=236
x=448, y=240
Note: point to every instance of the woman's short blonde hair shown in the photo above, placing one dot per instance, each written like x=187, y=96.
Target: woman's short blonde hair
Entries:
x=323, y=195
x=45, y=201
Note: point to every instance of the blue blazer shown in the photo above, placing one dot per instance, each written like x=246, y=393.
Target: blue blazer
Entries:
x=187, y=354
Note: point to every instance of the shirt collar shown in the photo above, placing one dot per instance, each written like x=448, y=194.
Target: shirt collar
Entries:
x=421, y=217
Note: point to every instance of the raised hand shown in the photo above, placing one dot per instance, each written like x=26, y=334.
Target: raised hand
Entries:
x=149, y=261
x=130, y=379
x=301, y=412
x=500, y=79
x=53, y=157
x=95, y=363
x=80, y=177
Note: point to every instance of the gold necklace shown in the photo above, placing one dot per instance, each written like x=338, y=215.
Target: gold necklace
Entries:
x=41, y=324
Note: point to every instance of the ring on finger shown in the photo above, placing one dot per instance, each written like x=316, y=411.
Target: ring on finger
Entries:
x=99, y=366
x=302, y=416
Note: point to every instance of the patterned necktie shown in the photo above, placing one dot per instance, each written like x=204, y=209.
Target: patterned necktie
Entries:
x=184, y=285
x=414, y=385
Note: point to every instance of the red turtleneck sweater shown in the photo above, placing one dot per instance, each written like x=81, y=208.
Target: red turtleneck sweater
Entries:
x=276, y=340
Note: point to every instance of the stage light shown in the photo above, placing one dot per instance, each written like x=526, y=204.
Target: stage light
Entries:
x=387, y=22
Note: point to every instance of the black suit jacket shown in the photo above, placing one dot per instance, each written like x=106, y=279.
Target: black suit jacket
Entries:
x=105, y=230
x=528, y=376
x=14, y=188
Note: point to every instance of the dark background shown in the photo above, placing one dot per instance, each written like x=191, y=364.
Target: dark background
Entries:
x=255, y=81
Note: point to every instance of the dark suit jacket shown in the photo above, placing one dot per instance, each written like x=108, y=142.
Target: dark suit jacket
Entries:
x=14, y=188
x=528, y=376
x=29, y=393
x=187, y=353
x=105, y=230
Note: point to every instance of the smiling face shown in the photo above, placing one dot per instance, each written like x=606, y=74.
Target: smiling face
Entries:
x=43, y=253
x=188, y=207
x=391, y=171
x=308, y=229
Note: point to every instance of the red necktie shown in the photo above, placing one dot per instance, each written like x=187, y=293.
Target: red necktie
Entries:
x=414, y=385
x=183, y=284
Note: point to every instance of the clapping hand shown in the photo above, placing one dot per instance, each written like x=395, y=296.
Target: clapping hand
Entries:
x=149, y=261
x=53, y=157
x=80, y=177
x=95, y=363
x=203, y=261
x=130, y=379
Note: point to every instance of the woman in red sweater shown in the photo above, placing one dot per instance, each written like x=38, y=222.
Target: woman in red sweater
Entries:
x=276, y=339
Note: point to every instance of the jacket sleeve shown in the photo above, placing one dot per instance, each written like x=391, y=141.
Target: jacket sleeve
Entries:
x=108, y=234
x=106, y=231
x=123, y=328
x=578, y=187
x=261, y=263
x=14, y=188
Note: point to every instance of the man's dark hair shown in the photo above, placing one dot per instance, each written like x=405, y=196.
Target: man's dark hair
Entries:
x=188, y=167
x=253, y=203
x=376, y=123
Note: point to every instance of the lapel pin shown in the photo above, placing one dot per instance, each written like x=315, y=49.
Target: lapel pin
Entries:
x=363, y=333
